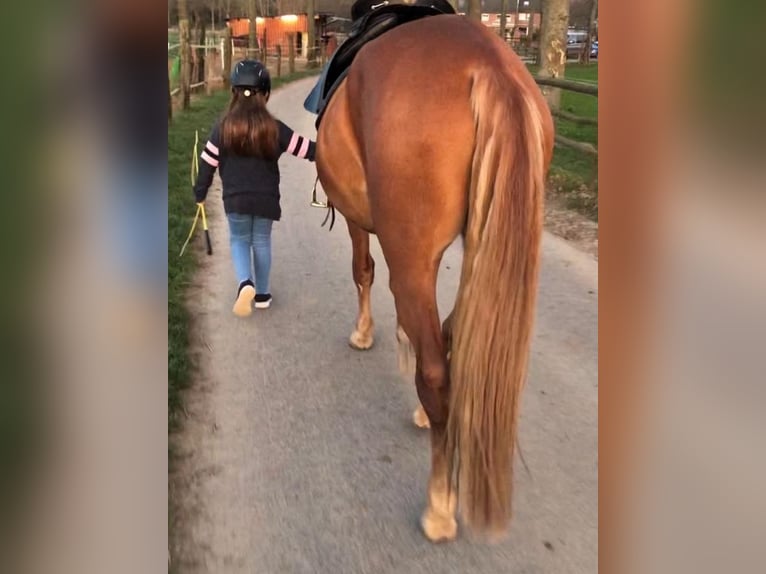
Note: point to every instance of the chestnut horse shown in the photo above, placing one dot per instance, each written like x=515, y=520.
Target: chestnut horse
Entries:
x=439, y=130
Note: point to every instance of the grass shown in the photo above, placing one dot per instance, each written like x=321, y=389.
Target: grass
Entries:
x=181, y=208
x=574, y=175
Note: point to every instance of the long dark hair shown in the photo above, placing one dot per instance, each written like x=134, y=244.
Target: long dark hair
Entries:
x=248, y=129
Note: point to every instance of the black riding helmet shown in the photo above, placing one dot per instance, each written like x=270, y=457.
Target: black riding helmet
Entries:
x=251, y=74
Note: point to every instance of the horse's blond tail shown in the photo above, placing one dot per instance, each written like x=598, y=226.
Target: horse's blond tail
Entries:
x=494, y=311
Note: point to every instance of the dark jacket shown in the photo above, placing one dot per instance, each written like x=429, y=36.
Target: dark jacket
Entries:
x=250, y=184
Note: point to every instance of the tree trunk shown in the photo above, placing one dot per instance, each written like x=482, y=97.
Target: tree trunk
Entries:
x=170, y=102
x=312, y=55
x=197, y=57
x=553, y=46
x=591, y=29
x=226, y=72
x=185, y=53
x=474, y=10
x=291, y=53
x=252, y=39
x=503, y=23
x=199, y=53
x=263, y=52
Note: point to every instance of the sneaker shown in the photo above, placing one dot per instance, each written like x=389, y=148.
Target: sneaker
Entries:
x=263, y=301
x=243, y=306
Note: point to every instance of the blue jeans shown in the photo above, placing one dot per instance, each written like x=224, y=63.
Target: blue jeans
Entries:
x=250, y=238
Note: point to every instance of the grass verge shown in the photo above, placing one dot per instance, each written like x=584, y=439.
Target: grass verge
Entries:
x=573, y=176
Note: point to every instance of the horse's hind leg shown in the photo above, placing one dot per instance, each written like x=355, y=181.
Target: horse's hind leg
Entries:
x=415, y=298
x=407, y=366
x=419, y=417
x=364, y=273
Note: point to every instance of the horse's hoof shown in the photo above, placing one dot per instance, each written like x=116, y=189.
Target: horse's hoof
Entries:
x=360, y=342
x=420, y=418
x=438, y=528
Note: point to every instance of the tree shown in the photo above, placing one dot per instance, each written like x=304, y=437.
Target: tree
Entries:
x=227, y=57
x=474, y=10
x=503, y=23
x=553, y=46
x=170, y=102
x=579, y=11
x=185, y=53
x=198, y=37
x=591, y=29
x=252, y=39
x=311, y=33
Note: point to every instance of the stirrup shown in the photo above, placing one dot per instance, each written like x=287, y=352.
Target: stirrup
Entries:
x=314, y=201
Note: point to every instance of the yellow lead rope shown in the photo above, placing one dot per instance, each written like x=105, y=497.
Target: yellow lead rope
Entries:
x=200, y=209
x=200, y=206
x=195, y=159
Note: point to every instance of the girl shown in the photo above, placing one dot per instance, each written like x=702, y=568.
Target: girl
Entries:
x=246, y=144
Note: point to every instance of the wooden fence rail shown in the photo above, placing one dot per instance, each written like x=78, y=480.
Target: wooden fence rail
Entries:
x=576, y=119
x=582, y=88
x=584, y=147
x=571, y=85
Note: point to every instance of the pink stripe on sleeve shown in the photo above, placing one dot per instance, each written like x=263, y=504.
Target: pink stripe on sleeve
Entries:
x=212, y=148
x=293, y=143
x=304, y=148
x=209, y=159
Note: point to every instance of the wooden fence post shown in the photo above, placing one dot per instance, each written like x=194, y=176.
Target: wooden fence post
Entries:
x=291, y=53
x=279, y=60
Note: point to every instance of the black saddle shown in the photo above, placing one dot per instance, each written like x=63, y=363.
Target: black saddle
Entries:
x=374, y=23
